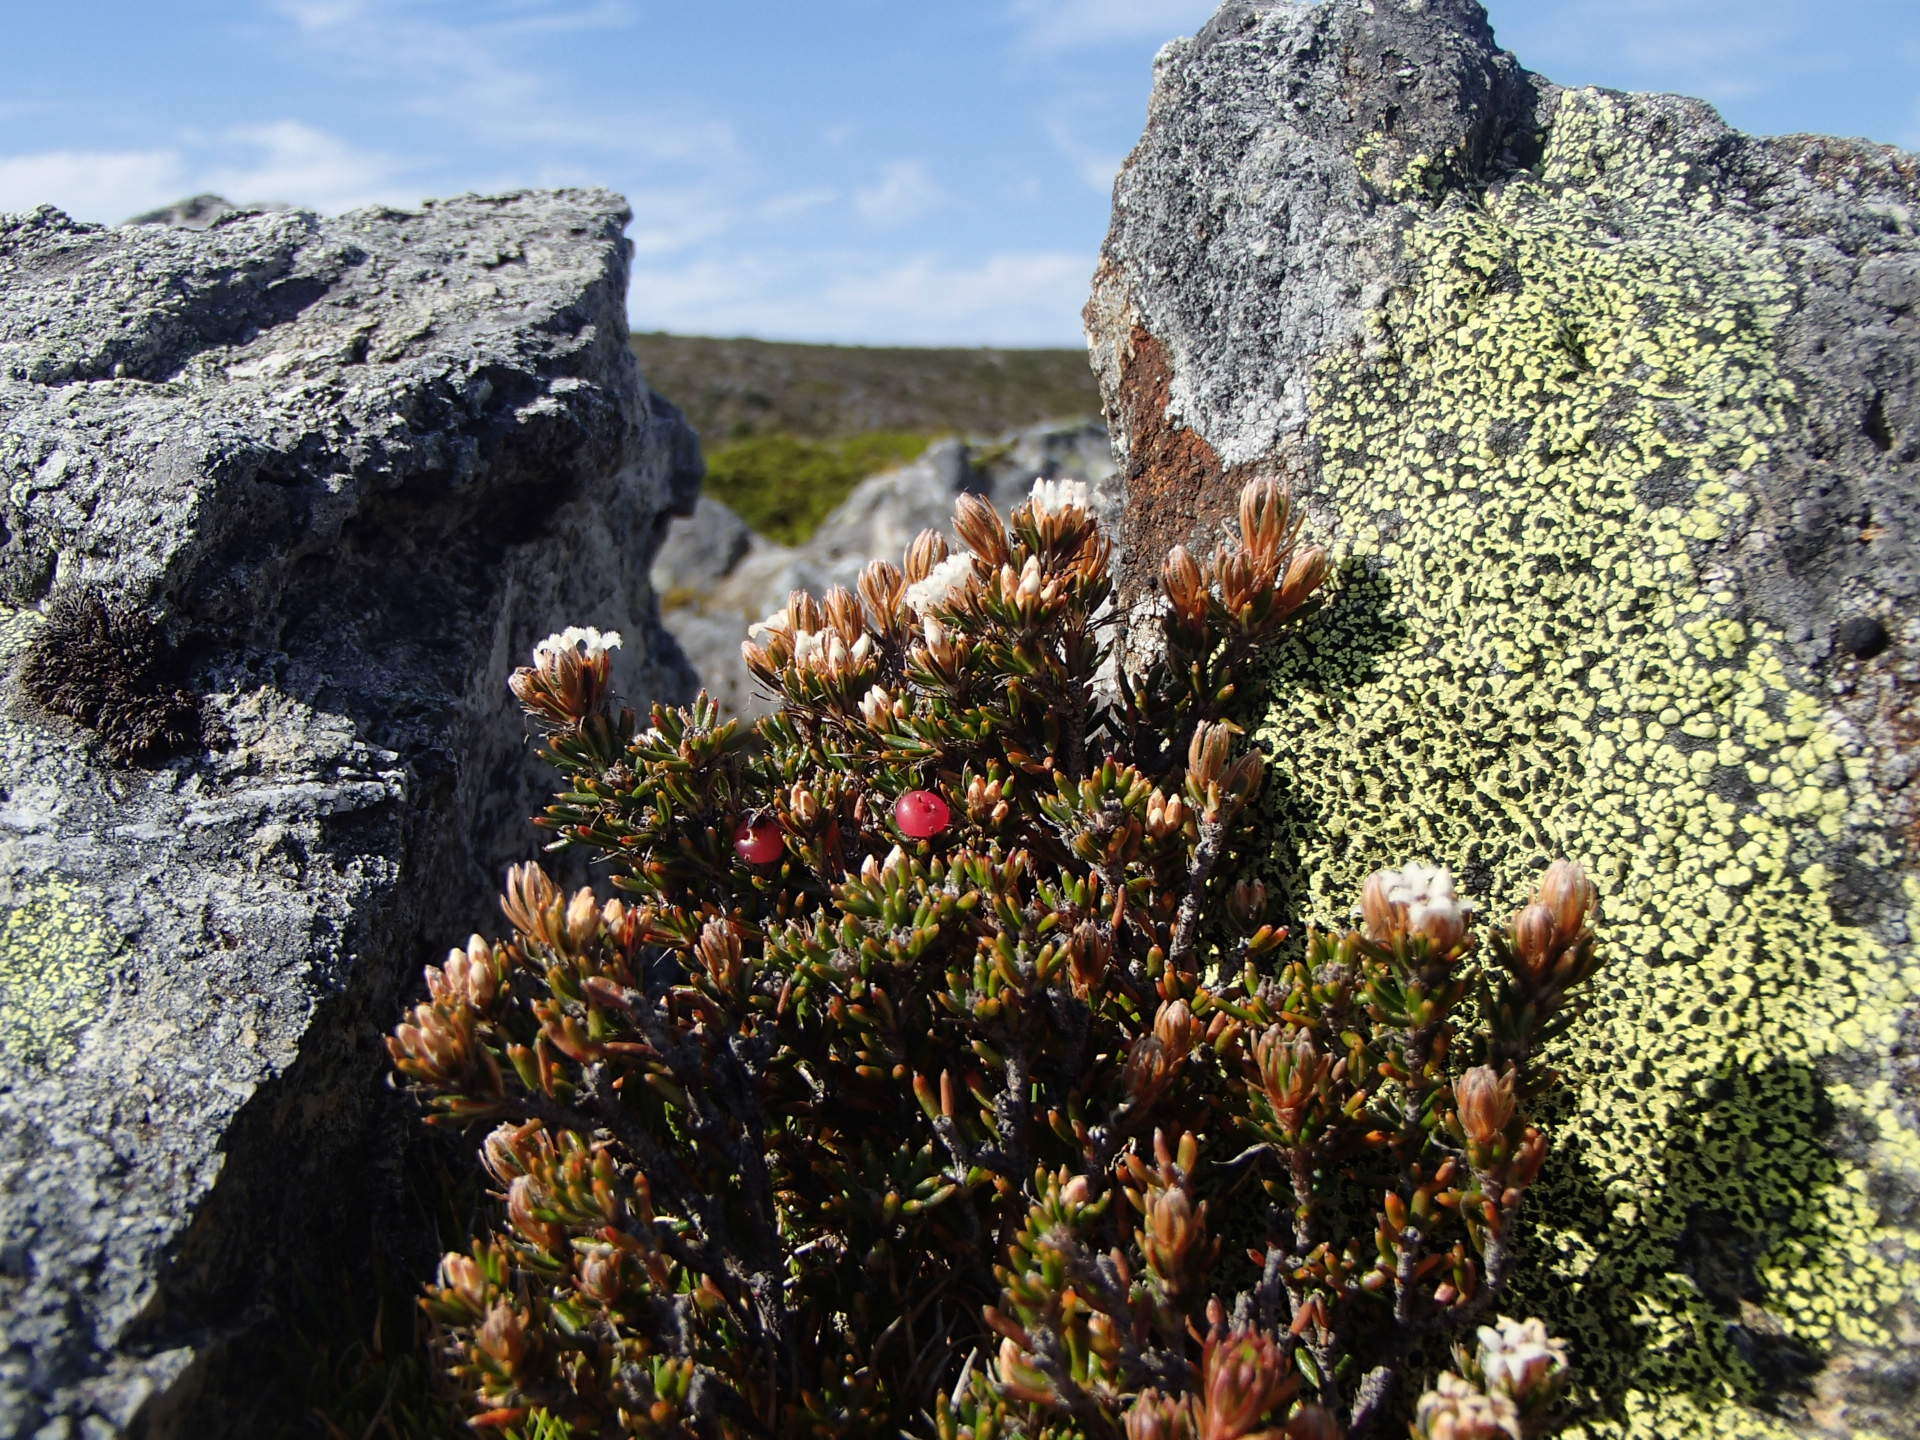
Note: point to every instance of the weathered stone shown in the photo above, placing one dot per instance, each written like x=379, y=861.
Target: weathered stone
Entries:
x=1612, y=416
x=199, y=212
x=717, y=576
x=349, y=470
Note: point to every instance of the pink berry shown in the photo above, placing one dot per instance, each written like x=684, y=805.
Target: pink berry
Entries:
x=921, y=813
x=758, y=841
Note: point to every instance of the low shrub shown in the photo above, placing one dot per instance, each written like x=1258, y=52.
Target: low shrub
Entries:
x=939, y=1068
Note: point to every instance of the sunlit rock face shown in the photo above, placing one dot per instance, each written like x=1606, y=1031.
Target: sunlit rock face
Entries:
x=1612, y=417
x=282, y=502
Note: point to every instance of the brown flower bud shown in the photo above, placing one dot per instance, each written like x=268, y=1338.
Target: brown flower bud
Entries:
x=1147, y=1071
x=1186, y=586
x=881, y=584
x=1486, y=1104
x=522, y=1201
x=1380, y=915
x=1155, y=1416
x=1088, y=954
x=1173, y=1231
x=1265, y=514
x=1207, y=753
x=843, y=613
x=802, y=804
x=1304, y=576
x=1173, y=1027
x=463, y=1276
x=928, y=549
x=600, y=1275
x=502, y=1151
x=1247, y=901
x=1568, y=894
x=979, y=527
x=531, y=903
x=1533, y=938
x=1291, y=1072
x=583, y=920
x=718, y=951
x=1243, y=1376
x=503, y=1337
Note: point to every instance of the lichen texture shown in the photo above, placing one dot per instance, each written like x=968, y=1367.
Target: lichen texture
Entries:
x=1532, y=655
x=56, y=951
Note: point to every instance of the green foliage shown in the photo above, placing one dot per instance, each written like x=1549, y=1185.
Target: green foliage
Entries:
x=934, y=1050
x=784, y=485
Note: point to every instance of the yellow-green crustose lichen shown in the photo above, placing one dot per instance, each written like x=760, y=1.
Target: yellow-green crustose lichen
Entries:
x=1531, y=657
x=55, y=952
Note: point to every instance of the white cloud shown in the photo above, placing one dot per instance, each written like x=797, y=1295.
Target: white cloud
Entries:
x=1011, y=298
x=1723, y=50
x=294, y=163
x=1071, y=24
x=791, y=204
x=281, y=161
x=479, y=75
x=98, y=185
x=1095, y=167
x=904, y=192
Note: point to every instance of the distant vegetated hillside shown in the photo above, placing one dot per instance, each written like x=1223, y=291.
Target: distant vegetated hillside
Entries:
x=732, y=389
x=789, y=429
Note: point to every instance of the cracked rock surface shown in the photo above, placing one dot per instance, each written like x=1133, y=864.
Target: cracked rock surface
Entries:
x=344, y=472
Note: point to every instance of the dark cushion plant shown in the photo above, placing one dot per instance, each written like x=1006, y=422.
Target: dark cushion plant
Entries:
x=938, y=1070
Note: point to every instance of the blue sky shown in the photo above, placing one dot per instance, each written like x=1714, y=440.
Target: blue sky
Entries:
x=868, y=171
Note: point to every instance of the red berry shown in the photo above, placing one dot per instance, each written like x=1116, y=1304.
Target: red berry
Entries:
x=921, y=813
x=758, y=841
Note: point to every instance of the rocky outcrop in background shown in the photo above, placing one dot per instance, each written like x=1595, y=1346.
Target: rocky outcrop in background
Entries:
x=281, y=502
x=1612, y=416
x=716, y=576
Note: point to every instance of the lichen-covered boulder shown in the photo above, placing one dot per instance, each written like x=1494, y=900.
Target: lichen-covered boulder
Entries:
x=281, y=503
x=1612, y=417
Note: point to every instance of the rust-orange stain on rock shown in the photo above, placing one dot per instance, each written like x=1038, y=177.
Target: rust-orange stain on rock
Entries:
x=1175, y=481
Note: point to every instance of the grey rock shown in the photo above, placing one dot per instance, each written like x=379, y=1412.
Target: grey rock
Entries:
x=350, y=470
x=1611, y=416
x=721, y=577
x=199, y=212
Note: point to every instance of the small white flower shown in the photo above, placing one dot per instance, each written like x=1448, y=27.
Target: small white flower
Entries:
x=1051, y=495
x=1416, y=899
x=778, y=620
x=1519, y=1357
x=810, y=647
x=941, y=584
x=589, y=642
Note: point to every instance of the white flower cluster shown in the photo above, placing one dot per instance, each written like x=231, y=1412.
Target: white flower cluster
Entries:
x=1519, y=1357
x=1415, y=900
x=590, y=643
x=1427, y=893
x=825, y=651
x=1052, y=495
x=941, y=584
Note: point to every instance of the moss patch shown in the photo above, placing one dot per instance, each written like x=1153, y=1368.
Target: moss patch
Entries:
x=56, y=950
x=1532, y=655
